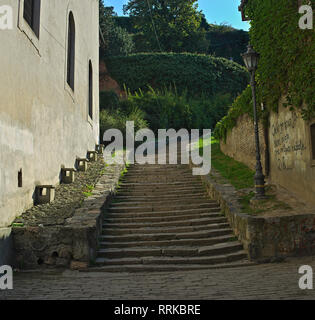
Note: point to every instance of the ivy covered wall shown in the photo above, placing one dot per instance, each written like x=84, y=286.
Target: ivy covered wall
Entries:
x=287, y=63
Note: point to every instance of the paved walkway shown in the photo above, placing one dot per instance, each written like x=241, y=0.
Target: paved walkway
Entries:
x=265, y=281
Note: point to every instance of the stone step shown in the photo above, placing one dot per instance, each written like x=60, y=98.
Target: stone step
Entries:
x=179, y=251
x=161, y=191
x=193, y=198
x=224, y=258
x=153, y=204
x=156, y=218
x=187, y=222
x=157, y=166
x=167, y=267
x=167, y=243
x=150, y=229
x=159, y=179
x=214, y=212
x=175, y=173
x=167, y=236
x=128, y=208
x=157, y=185
x=158, y=173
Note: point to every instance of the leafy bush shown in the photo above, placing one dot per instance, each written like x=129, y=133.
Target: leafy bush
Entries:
x=164, y=109
x=194, y=73
x=116, y=119
x=241, y=105
x=206, y=112
x=109, y=100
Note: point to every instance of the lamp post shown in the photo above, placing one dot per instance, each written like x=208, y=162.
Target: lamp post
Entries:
x=251, y=58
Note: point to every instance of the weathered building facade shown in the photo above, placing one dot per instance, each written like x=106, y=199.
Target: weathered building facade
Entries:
x=49, y=96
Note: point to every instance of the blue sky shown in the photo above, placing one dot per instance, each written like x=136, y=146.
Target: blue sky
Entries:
x=216, y=11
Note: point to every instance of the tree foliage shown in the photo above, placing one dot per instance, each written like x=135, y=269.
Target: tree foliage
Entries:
x=115, y=39
x=168, y=25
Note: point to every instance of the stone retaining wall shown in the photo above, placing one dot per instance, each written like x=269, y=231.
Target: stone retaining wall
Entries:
x=240, y=143
x=71, y=244
x=264, y=238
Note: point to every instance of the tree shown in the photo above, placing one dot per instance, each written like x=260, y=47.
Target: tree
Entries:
x=168, y=25
x=115, y=39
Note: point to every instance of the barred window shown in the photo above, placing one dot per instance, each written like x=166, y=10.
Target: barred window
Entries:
x=313, y=140
x=31, y=14
x=71, y=52
x=90, y=90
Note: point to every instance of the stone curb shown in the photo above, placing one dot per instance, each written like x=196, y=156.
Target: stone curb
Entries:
x=265, y=239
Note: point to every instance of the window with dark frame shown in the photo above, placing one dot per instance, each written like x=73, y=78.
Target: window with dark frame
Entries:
x=31, y=14
x=71, y=52
x=90, y=90
x=313, y=140
x=20, y=179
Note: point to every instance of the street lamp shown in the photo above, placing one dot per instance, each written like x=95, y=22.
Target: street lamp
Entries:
x=251, y=58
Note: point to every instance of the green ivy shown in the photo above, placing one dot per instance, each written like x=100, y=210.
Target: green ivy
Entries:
x=241, y=105
x=286, y=65
x=287, y=62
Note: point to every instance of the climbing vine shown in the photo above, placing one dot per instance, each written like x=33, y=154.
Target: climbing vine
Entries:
x=287, y=62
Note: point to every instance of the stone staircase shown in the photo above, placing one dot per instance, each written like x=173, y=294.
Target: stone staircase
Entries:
x=162, y=219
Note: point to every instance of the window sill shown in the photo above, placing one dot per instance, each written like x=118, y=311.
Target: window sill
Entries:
x=69, y=91
x=90, y=121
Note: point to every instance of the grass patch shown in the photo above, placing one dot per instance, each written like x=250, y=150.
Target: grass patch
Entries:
x=87, y=191
x=238, y=174
x=122, y=173
x=267, y=205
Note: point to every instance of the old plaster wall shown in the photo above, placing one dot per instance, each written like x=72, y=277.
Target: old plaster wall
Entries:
x=291, y=163
x=44, y=125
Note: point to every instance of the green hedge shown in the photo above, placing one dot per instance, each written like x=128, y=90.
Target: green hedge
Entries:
x=198, y=74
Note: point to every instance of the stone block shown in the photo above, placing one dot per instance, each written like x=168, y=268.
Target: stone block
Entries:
x=67, y=175
x=92, y=156
x=99, y=148
x=82, y=164
x=44, y=194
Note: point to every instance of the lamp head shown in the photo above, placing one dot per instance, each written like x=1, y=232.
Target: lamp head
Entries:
x=251, y=58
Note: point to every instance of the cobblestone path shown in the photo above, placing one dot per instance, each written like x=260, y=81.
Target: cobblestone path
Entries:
x=265, y=281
